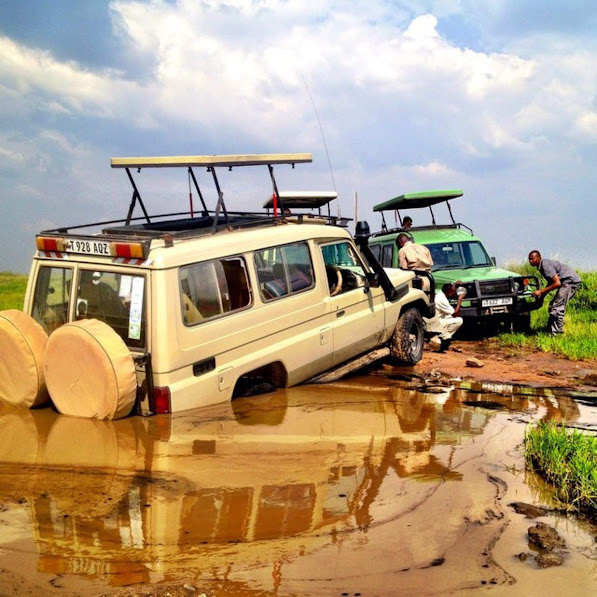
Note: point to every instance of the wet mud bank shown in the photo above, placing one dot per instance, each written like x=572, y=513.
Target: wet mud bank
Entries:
x=378, y=485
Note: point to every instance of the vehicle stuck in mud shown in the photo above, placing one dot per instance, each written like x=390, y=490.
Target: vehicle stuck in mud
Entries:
x=166, y=313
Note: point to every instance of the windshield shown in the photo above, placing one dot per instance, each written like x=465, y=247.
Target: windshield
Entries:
x=459, y=255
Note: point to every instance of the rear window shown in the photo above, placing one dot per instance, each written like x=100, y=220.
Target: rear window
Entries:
x=116, y=299
x=51, y=299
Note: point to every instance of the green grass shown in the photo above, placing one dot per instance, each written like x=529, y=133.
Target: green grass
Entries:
x=12, y=290
x=568, y=460
x=579, y=340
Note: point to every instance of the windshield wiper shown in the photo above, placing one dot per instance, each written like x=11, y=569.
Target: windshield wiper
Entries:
x=477, y=265
x=443, y=267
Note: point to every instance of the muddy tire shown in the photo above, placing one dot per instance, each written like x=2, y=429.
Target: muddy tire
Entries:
x=407, y=341
x=22, y=343
x=89, y=371
x=253, y=386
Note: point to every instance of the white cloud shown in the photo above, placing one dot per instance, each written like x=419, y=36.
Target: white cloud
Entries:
x=11, y=155
x=431, y=169
x=402, y=104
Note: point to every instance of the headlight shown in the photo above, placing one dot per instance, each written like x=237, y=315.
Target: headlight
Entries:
x=516, y=287
x=461, y=291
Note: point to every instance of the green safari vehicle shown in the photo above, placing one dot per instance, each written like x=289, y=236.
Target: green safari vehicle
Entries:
x=492, y=295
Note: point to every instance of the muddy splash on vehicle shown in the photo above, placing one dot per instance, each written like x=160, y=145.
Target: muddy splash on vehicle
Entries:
x=373, y=486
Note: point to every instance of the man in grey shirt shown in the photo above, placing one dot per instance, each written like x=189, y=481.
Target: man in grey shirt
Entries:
x=558, y=276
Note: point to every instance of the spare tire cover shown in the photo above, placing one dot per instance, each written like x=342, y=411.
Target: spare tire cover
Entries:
x=22, y=342
x=89, y=371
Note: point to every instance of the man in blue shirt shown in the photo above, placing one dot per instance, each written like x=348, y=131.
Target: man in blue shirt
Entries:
x=558, y=276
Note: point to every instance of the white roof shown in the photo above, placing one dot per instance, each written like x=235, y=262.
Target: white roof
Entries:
x=306, y=199
x=211, y=160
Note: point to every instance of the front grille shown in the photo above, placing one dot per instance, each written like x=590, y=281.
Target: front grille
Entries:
x=495, y=287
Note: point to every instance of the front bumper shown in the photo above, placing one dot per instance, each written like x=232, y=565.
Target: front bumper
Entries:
x=479, y=307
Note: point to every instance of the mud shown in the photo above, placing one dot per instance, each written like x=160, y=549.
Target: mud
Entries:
x=509, y=365
x=384, y=484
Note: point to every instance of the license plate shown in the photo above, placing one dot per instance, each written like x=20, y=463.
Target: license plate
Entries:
x=88, y=247
x=496, y=302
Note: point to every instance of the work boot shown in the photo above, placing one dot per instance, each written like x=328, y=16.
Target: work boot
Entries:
x=435, y=344
x=445, y=344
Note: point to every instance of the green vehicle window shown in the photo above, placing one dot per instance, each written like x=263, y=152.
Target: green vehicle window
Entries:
x=376, y=250
x=386, y=257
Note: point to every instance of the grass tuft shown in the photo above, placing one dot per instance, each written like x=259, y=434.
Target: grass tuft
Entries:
x=568, y=460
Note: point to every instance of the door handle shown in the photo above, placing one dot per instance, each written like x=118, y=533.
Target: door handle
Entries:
x=340, y=313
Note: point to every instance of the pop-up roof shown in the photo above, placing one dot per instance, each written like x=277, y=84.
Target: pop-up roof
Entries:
x=211, y=161
x=302, y=199
x=416, y=200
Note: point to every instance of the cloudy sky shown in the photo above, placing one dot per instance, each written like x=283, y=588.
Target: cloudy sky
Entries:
x=497, y=98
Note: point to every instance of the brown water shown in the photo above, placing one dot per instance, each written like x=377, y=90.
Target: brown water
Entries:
x=367, y=487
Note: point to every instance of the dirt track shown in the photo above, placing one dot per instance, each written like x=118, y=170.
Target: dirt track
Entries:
x=506, y=365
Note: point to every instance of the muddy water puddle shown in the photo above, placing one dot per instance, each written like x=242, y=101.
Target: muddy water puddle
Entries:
x=373, y=486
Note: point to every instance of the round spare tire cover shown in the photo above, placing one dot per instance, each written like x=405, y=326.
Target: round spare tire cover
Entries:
x=22, y=343
x=89, y=371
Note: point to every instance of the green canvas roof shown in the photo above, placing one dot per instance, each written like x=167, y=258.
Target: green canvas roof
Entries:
x=415, y=200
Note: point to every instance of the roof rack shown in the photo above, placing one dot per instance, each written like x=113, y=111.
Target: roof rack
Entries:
x=459, y=226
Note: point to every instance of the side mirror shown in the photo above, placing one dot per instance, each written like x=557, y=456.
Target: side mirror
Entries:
x=493, y=261
x=372, y=279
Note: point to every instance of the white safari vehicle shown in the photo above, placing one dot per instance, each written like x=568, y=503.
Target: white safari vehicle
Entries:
x=158, y=314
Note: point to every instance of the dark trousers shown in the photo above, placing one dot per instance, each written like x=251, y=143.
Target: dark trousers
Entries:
x=557, y=307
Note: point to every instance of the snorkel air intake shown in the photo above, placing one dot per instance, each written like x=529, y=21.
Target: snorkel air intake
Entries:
x=361, y=236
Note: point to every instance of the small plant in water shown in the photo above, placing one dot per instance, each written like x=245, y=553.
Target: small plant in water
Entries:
x=568, y=460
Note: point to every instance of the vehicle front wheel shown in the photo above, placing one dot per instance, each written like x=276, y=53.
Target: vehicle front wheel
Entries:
x=522, y=323
x=407, y=341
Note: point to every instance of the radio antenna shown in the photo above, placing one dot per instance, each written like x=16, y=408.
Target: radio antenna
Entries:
x=325, y=145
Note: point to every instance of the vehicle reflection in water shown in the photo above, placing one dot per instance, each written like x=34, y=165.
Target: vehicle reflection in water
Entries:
x=145, y=499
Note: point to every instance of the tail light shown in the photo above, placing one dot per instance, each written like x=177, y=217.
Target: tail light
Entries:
x=49, y=244
x=128, y=250
x=161, y=400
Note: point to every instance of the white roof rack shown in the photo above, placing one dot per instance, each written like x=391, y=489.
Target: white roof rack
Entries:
x=305, y=199
x=212, y=160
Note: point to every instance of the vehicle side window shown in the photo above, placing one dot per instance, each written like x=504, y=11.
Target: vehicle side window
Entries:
x=388, y=253
x=51, y=297
x=115, y=298
x=284, y=270
x=214, y=288
x=343, y=267
x=376, y=250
